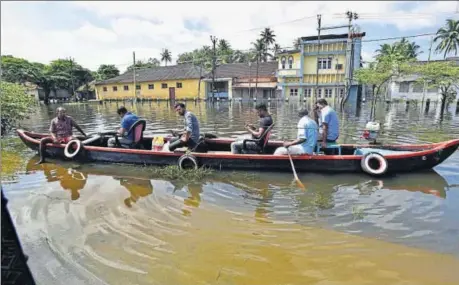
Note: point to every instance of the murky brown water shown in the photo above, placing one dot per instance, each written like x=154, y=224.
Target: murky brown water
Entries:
x=116, y=224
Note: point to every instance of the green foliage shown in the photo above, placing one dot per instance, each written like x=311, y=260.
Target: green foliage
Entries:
x=174, y=173
x=106, y=71
x=150, y=63
x=15, y=105
x=448, y=38
x=166, y=56
x=442, y=75
x=15, y=70
x=398, y=51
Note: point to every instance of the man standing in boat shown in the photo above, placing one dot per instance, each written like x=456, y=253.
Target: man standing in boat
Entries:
x=127, y=120
x=265, y=122
x=328, y=122
x=61, y=131
x=308, y=132
x=190, y=136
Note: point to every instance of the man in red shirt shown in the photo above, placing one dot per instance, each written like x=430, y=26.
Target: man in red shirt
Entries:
x=61, y=131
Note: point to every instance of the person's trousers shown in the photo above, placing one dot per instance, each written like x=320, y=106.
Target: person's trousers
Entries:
x=177, y=143
x=236, y=147
x=112, y=141
x=293, y=150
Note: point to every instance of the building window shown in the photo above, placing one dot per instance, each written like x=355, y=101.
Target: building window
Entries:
x=151, y=86
x=179, y=84
x=319, y=93
x=341, y=92
x=163, y=85
x=328, y=92
x=105, y=89
x=324, y=63
x=293, y=92
x=115, y=88
x=417, y=87
x=433, y=90
x=283, y=62
x=290, y=62
x=126, y=88
x=307, y=92
x=404, y=87
x=137, y=87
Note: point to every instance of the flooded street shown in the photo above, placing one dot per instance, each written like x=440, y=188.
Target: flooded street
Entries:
x=120, y=224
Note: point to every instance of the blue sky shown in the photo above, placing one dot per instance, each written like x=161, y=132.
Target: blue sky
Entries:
x=107, y=32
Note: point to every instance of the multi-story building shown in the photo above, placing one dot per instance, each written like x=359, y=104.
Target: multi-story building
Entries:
x=326, y=66
x=179, y=82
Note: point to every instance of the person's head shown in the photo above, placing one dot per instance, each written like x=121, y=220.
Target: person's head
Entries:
x=321, y=103
x=60, y=112
x=303, y=112
x=180, y=108
x=261, y=110
x=122, y=111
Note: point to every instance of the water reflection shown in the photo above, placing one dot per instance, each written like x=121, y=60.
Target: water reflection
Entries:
x=136, y=187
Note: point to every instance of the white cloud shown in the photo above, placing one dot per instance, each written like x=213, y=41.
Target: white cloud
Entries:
x=148, y=27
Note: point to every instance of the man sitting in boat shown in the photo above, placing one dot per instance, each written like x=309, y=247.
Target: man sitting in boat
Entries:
x=61, y=131
x=189, y=137
x=328, y=122
x=308, y=132
x=265, y=122
x=127, y=120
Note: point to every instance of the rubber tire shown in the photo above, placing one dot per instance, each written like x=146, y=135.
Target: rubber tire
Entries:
x=364, y=163
x=186, y=157
x=78, y=150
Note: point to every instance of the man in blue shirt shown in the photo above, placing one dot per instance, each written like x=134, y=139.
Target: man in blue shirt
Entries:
x=127, y=120
x=305, y=143
x=329, y=123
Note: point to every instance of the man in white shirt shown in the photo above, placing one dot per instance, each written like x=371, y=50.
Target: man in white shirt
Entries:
x=306, y=138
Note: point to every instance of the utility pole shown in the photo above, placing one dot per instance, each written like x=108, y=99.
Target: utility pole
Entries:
x=319, y=28
x=428, y=60
x=214, y=58
x=350, y=16
x=133, y=76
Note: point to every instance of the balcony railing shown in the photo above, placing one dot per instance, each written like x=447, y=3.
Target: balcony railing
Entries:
x=288, y=73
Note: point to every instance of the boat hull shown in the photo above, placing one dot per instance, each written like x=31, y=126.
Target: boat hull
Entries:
x=425, y=157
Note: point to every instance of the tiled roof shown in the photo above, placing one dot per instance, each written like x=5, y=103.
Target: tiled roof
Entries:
x=160, y=73
x=232, y=70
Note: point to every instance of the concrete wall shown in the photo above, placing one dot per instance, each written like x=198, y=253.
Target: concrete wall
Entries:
x=189, y=90
x=395, y=94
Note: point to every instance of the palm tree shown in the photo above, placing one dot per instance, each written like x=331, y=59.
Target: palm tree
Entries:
x=411, y=50
x=258, y=50
x=448, y=37
x=297, y=43
x=166, y=56
x=268, y=37
x=224, y=51
x=276, y=50
x=239, y=56
x=223, y=45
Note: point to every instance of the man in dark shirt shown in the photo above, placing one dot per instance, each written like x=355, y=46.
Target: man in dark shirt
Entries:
x=127, y=120
x=61, y=131
x=265, y=122
x=190, y=136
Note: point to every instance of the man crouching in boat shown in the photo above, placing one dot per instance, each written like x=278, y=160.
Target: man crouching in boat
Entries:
x=61, y=131
x=308, y=131
x=190, y=136
x=127, y=120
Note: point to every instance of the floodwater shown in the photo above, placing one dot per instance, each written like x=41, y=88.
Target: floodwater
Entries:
x=118, y=224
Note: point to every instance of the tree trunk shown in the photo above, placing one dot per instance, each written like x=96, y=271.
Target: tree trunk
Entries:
x=46, y=97
x=443, y=103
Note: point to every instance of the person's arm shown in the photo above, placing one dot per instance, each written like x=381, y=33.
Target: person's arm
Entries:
x=188, y=129
x=295, y=142
x=301, y=136
x=124, y=127
x=255, y=132
x=325, y=121
x=78, y=127
x=52, y=130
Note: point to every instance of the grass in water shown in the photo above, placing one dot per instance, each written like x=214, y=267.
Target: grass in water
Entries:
x=173, y=172
x=358, y=212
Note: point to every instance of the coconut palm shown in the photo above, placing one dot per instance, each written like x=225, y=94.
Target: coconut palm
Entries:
x=448, y=37
x=276, y=50
x=166, y=56
x=297, y=43
x=268, y=37
x=224, y=51
x=258, y=50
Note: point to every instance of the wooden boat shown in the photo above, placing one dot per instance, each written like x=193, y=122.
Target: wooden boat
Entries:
x=373, y=159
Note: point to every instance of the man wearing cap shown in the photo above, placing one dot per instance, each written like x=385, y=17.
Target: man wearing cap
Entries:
x=308, y=132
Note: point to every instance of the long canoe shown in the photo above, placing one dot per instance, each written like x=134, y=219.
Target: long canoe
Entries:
x=397, y=158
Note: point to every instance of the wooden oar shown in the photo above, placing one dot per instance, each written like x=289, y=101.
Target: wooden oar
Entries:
x=298, y=182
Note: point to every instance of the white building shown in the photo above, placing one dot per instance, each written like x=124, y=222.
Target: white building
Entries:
x=406, y=88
